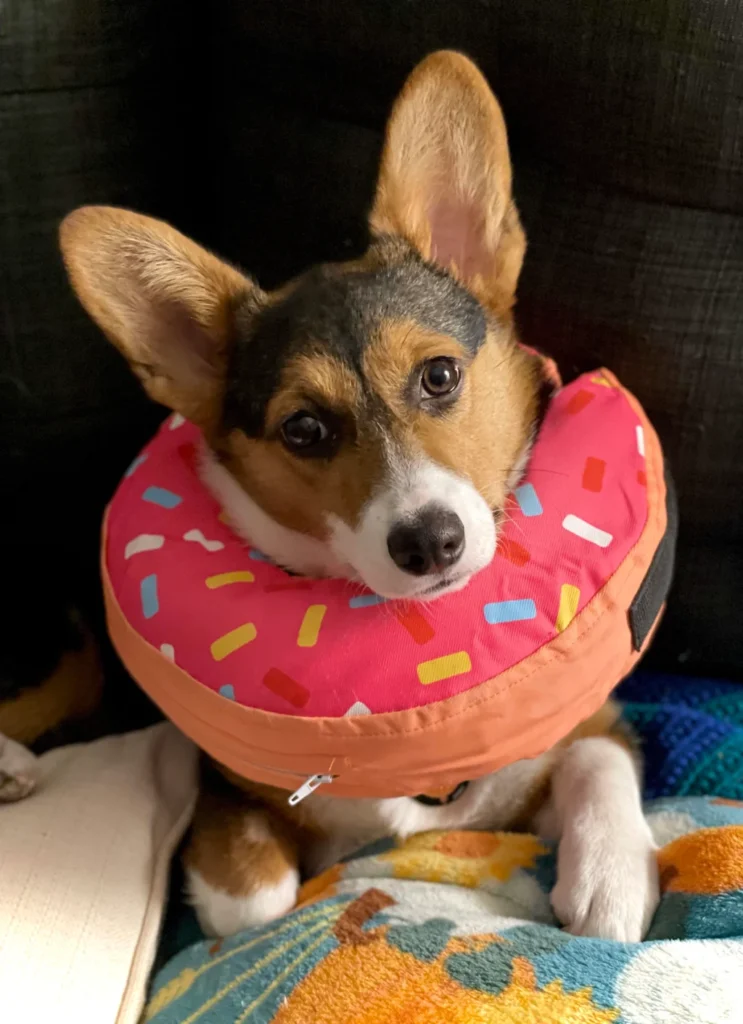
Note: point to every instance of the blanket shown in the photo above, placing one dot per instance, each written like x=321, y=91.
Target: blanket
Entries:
x=456, y=927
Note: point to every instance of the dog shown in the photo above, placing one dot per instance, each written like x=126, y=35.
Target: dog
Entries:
x=368, y=421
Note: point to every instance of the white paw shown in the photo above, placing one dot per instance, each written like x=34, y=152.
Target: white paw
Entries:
x=19, y=770
x=607, y=879
x=221, y=914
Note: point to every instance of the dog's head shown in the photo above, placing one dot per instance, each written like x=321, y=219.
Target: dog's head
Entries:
x=369, y=418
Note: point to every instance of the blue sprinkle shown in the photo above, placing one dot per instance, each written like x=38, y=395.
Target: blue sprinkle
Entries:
x=136, y=464
x=366, y=601
x=258, y=556
x=159, y=496
x=509, y=611
x=148, y=595
x=528, y=501
x=228, y=691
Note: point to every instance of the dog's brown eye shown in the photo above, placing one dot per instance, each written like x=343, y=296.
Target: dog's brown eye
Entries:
x=304, y=433
x=440, y=377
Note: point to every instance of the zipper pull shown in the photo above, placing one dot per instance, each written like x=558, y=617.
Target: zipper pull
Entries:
x=309, y=786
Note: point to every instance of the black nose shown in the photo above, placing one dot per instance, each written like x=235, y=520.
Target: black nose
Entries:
x=431, y=542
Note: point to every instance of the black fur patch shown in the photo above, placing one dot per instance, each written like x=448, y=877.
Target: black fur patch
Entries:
x=339, y=312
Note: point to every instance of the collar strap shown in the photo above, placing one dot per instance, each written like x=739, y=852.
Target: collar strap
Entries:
x=442, y=801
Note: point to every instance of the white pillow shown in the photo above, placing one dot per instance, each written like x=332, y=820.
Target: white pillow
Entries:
x=83, y=877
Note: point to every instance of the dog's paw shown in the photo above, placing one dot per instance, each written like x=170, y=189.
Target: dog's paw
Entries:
x=607, y=880
x=19, y=771
x=221, y=914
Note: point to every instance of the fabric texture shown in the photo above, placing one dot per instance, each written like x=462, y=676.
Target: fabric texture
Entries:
x=457, y=927
x=267, y=640
x=84, y=867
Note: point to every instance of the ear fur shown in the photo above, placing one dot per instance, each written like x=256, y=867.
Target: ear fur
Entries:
x=164, y=302
x=445, y=178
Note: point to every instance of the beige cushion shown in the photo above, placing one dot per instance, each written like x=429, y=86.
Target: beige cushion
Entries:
x=83, y=877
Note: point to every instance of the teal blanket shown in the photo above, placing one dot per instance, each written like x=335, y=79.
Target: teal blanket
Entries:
x=456, y=928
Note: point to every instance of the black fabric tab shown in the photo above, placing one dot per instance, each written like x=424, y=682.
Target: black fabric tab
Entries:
x=654, y=589
x=435, y=801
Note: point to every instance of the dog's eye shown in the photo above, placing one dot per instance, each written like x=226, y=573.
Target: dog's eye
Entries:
x=440, y=377
x=304, y=433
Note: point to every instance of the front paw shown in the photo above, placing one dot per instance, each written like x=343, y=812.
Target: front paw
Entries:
x=607, y=880
x=19, y=771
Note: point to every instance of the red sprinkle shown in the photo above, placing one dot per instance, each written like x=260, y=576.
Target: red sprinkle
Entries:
x=416, y=624
x=513, y=551
x=593, y=474
x=284, y=686
x=642, y=478
x=578, y=402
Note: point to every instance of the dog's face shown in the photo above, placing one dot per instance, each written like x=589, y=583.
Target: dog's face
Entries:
x=369, y=418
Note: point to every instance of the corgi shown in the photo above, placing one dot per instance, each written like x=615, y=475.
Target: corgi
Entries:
x=368, y=421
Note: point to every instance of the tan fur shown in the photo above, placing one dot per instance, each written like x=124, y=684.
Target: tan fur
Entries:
x=237, y=848
x=446, y=146
x=72, y=691
x=445, y=162
x=166, y=303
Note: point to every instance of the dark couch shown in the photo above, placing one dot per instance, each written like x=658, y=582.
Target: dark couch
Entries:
x=256, y=127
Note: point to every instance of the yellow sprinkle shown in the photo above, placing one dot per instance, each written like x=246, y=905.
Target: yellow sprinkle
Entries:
x=569, y=598
x=444, y=668
x=310, y=628
x=224, y=518
x=223, y=578
x=602, y=381
x=233, y=641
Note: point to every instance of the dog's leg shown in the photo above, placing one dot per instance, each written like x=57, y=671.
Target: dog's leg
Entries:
x=241, y=862
x=607, y=872
x=19, y=770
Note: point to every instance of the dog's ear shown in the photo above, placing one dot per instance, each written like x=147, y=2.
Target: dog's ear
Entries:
x=445, y=178
x=167, y=304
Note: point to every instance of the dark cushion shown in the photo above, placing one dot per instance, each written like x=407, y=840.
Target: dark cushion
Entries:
x=257, y=126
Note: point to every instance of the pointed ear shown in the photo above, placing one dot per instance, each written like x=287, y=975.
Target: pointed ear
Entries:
x=165, y=303
x=445, y=178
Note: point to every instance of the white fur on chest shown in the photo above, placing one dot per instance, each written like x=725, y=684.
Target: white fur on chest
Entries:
x=489, y=803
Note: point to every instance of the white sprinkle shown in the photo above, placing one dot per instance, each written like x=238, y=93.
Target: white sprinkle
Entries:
x=584, y=530
x=640, y=440
x=176, y=420
x=144, y=542
x=359, y=708
x=168, y=650
x=199, y=538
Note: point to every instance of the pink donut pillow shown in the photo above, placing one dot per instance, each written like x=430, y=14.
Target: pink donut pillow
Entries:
x=282, y=678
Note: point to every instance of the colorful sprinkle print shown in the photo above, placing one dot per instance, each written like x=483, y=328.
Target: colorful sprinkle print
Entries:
x=446, y=667
x=569, y=599
x=233, y=641
x=197, y=537
x=581, y=528
x=191, y=587
x=176, y=420
x=359, y=708
x=148, y=596
x=310, y=628
x=515, y=553
x=144, y=542
x=529, y=503
x=258, y=556
x=224, y=579
x=498, y=612
x=640, y=440
x=366, y=601
x=160, y=496
x=416, y=623
x=284, y=686
x=579, y=401
x=134, y=466
x=593, y=475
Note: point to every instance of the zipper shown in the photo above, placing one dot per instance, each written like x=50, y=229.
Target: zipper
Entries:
x=309, y=786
